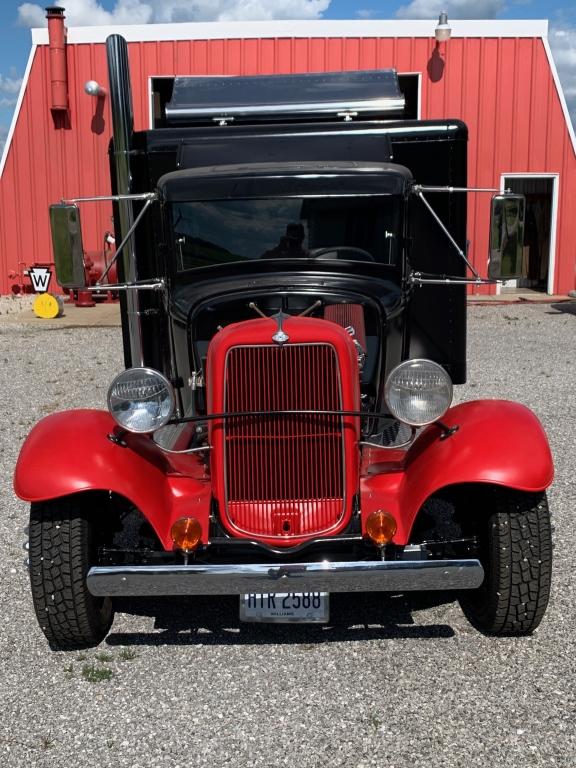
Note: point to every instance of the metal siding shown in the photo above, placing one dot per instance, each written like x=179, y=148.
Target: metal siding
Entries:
x=501, y=87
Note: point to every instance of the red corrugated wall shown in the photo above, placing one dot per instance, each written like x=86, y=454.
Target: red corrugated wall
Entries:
x=502, y=88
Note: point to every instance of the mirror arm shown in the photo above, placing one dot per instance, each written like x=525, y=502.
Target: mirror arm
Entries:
x=416, y=278
x=143, y=285
x=147, y=204
x=151, y=196
x=421, y=188
x=418, y=191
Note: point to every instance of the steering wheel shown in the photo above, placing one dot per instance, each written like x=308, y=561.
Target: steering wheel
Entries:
x=341, y=252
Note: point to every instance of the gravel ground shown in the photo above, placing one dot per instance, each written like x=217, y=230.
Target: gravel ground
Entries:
x=10, y=305
x=394, y=682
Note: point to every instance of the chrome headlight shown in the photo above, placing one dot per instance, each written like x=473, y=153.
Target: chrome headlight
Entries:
x=418, y=392
x=141, y=400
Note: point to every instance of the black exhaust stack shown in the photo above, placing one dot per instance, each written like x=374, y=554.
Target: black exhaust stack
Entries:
x=123, y=128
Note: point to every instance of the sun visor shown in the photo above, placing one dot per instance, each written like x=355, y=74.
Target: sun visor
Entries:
x=325, y=96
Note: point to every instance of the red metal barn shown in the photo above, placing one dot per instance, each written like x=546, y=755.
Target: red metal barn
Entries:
x=497, y=76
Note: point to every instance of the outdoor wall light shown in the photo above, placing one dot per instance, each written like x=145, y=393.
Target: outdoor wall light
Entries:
x=443, y=30
x=92, y=88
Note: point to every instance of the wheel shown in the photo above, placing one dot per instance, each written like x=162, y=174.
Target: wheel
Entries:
x=346, y=252
x=516, y=553
x=62, y=548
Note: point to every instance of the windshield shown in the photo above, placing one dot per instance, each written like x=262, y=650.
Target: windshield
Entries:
x=355, y=228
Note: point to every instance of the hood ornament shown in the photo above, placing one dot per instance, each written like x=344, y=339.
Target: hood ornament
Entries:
x=280, y=337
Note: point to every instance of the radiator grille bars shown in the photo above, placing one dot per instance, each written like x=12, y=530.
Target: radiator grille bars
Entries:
x=284, y=474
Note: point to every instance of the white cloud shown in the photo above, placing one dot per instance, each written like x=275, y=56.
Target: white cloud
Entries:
x=563, y=44
x=30, y=15
x=366, y=13
x=3, y=136
x=91, y=12
x=456, y=9
x=10, y=84
x=236, y=10
x=9, y=89
x=88, y=12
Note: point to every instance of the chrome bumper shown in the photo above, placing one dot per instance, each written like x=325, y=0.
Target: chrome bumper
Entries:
x=366, y=576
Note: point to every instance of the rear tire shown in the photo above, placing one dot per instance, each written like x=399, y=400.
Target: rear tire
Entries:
x=62, y=549
x=516, y=553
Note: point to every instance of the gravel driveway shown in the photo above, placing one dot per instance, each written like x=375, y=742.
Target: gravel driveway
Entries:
x=394, y=682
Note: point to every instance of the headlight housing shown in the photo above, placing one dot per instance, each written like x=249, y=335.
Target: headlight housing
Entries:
x=418, y=392
x=141, y=400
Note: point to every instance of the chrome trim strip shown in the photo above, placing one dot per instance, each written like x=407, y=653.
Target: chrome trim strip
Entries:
x=237, y=579
x=391, y=104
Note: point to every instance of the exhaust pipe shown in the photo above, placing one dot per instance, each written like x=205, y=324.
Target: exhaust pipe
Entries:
x=123, y=128
x=58, y=66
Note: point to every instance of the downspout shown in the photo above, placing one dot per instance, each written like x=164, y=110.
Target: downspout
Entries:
x=58, y=67
x=123, y=128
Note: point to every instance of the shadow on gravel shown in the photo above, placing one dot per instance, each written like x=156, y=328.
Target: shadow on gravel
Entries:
x=210, y=621
x=566, y=307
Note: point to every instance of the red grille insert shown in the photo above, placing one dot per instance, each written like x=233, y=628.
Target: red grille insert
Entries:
x=284, y=474
x=348, y=315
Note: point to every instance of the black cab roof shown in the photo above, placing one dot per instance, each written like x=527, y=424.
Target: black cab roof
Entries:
x=311, y=177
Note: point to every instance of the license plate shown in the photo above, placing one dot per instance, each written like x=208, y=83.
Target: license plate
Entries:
x=300, y=607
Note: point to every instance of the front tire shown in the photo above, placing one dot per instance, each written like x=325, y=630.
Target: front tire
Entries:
x=516, y=553
x=62, y=549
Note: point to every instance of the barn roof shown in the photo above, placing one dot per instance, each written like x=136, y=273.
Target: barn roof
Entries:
x=218, y=30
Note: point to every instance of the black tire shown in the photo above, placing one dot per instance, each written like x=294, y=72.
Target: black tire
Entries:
x=62, y=548
x=516, y=553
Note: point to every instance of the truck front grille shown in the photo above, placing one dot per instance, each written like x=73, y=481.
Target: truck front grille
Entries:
x=284, y=475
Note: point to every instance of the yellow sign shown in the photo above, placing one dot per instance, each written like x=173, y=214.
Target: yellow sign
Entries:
x=48, y=306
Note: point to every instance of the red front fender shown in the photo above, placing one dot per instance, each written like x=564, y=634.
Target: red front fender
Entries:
x=70, y=452
x=497, y=442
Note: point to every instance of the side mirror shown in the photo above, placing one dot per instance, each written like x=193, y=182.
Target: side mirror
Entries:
x=67, y=246
x=506, y=258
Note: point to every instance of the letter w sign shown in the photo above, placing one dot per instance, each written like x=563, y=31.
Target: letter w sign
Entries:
x=40, y=277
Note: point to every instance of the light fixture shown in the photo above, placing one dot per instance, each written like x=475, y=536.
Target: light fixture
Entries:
x=186, y=533
x=443, y=29
x=381, y=527
x=418, y=392
x=141, y=400
x=92, y=88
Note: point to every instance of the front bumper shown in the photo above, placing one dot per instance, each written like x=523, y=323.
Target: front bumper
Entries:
x=236, y=579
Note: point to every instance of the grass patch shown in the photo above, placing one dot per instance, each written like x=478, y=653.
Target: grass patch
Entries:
x=94, y=674
x=375, y=722
x=69, y=671
x=104, y=657
x=46, y=742
x=127, y=654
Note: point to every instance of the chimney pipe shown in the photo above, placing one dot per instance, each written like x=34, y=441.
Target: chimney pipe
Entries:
x=58, y=68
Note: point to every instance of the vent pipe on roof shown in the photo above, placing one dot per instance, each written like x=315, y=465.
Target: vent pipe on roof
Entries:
x=58, y=68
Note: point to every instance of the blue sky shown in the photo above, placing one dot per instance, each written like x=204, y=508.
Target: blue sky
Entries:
x=17, y=17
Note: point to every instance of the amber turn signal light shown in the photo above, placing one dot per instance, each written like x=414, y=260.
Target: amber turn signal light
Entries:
x=381, y=527
x=186, y=533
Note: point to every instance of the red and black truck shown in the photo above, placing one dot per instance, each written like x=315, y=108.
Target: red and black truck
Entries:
x=292, y=264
